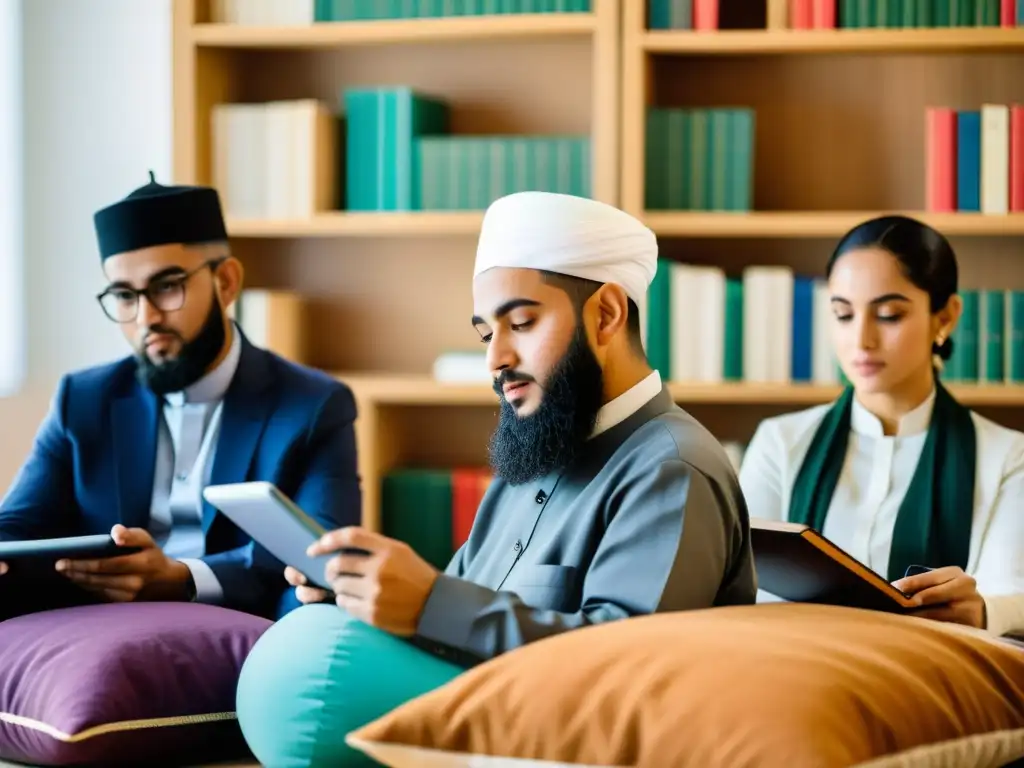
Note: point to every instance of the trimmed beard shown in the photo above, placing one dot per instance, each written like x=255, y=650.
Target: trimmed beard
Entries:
x=191, y=363
x=523, y=449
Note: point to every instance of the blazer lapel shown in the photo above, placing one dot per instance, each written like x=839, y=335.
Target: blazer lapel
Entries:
x=134, y=429
x=246, y=408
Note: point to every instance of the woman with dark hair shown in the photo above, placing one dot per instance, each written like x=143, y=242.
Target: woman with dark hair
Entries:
x=896, y=471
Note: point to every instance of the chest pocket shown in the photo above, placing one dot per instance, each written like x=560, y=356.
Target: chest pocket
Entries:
x=548, y=587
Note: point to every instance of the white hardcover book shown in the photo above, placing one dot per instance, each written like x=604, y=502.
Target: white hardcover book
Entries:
x=995, y=159
x=684, y=289
x=823, y=357
x=279, y=187
x=711, y=325
x=781, y=356
x=756, y=286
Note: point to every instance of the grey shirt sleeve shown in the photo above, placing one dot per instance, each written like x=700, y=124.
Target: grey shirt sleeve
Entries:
x=667, y=547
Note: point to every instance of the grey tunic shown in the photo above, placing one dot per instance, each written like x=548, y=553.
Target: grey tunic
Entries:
x=650, y=520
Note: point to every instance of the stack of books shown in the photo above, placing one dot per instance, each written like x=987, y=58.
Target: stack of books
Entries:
x=699, y=159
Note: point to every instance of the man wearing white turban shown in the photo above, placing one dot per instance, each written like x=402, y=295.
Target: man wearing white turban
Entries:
x=609, y=500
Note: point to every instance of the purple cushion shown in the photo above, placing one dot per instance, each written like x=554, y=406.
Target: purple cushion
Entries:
x=123, y=683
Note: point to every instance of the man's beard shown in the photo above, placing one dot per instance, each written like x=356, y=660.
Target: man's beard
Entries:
x=193, y=360
x=552, y=437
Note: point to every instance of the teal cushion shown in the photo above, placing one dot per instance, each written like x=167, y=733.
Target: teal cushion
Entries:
x=318, y=674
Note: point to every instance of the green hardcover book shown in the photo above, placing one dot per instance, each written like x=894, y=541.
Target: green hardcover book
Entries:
x=540, y=164
x=659, y=320
x=964, y=13
x=675, y=169
x=656, y=171
x=560, y=171
x=323, y=10
x=732, y=362
x=416, y=507
x=426, y=149
x=383, y=123
x=698, y=140
x=894, y=17
x=908, y=14
x=717, y=159
x=881, y=18
x=986, y=13
x=963, y=364
x=472, y=182
x=849, y=14
x=866, y=13
x=1013, y=337
x=992, y=355
x=742, y=124
x=924, y=12
x=586, y=150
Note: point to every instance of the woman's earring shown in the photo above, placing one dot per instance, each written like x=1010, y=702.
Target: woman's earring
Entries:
x=940, y=340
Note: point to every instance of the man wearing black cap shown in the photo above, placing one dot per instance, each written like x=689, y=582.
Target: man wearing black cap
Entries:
x=128, y=447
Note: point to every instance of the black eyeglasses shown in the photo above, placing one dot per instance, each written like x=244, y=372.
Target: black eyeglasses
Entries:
x=121, y=302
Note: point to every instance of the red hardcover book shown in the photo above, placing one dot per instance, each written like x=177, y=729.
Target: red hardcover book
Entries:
x=468, y=487
x=1017, y=158
x=940, y=159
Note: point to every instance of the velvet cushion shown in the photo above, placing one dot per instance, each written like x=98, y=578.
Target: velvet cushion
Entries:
x=317, y=674
x=131, y=683
x=773, y=686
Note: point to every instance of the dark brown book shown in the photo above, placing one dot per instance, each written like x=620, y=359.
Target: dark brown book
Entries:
x=798, y=564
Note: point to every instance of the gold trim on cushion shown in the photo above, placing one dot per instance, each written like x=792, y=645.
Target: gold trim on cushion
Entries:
x=107, y=728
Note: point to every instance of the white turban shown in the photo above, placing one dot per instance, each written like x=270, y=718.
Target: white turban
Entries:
x=569, y=235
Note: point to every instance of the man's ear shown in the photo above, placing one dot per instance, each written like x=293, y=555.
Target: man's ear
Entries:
x=229, y=278
x=612, y=309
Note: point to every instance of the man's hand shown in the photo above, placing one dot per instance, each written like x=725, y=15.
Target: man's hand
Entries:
x=3, y=568
x=305, y=593
x=387, y=587
x=145, y=575
x=953, y=593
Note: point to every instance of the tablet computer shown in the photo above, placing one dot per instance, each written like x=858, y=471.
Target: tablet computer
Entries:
x=276, y=523
x=798, y=564
x=93, y=547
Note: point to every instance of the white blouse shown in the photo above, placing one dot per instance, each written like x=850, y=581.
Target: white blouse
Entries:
x=874, y=479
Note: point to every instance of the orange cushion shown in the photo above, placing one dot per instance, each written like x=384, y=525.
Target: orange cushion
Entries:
x=769, y=685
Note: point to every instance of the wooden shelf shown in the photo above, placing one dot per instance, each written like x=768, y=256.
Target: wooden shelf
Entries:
x=396, y=31
x=415, y=390
x=818, y=224
x=345, y=224
x=794, y=41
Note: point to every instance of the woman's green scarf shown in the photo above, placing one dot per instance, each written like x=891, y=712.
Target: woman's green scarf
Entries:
x=933, y=526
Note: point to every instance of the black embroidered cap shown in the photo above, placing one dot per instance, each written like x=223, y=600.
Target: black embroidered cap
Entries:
x=157, y=215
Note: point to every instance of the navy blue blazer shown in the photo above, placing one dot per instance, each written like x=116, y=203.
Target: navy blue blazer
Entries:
x=92, y=464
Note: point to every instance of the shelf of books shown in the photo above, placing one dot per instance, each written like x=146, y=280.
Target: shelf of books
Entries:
x=355, y=146
x=355, y=149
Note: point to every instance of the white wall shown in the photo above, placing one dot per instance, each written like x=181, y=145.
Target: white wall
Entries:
x=96, y=92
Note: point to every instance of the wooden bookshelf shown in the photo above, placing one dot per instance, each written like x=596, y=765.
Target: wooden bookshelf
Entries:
x=839, y=139
x=388, y=292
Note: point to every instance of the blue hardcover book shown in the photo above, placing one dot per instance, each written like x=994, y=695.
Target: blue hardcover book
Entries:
x=803, y=325
x=968, y=160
